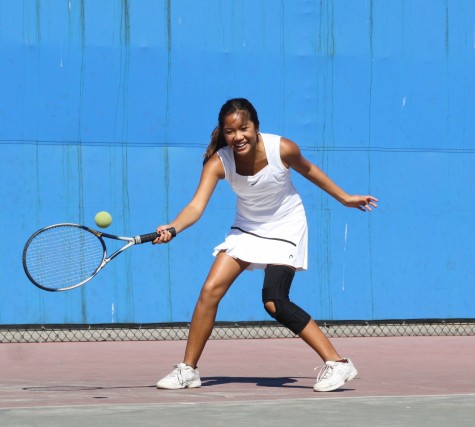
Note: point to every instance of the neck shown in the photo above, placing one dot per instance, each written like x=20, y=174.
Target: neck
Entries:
x=252, y=162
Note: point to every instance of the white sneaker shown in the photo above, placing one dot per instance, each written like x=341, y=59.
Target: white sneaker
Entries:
x=333, y=375
x=182, y=376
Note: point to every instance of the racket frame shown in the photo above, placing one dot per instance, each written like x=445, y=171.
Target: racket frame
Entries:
x=131, y=241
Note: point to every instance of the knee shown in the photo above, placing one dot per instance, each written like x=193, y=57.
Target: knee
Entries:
x=288, y=314
x=275, y=296
x=210, y=294
x=270, y=307
x=277, y=282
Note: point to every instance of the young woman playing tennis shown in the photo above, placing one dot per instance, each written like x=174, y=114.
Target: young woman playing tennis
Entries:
x=269, y=232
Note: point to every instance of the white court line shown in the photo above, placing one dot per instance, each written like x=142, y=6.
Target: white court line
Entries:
x=241, y=402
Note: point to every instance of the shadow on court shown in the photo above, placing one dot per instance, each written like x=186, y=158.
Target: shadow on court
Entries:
x=258, y=382
x=402, y=381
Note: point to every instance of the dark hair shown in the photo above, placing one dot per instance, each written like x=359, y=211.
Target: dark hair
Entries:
x=232, y=106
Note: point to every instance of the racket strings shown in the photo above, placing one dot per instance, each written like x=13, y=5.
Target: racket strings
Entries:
x=62, y=257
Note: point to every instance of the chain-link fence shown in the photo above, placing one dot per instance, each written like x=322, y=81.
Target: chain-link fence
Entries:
x=230, y=330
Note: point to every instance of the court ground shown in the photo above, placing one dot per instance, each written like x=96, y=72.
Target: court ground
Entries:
x=402, y=381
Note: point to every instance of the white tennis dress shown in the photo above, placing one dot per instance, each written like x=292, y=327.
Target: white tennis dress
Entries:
x=270, y=226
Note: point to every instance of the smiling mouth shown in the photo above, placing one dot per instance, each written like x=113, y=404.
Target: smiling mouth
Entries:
x=240, y=145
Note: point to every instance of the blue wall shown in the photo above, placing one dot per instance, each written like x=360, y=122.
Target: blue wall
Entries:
x=108, y=105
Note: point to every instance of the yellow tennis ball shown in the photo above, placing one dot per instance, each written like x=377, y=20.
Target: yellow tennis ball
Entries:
x=103, y=219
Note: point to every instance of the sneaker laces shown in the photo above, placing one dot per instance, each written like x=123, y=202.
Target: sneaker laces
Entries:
x=324, y=372
x=178, y=371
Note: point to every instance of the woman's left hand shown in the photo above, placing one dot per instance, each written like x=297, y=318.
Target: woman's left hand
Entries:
x=363, y=203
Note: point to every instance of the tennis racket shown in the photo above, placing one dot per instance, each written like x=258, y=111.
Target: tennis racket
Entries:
x=65, y=256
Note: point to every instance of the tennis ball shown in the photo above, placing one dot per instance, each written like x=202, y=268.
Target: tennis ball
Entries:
x=103, y=219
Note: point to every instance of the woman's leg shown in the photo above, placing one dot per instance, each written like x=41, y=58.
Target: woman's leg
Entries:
x=221, y=276
x=319, y=342
x=275, y=295
x=223, y=273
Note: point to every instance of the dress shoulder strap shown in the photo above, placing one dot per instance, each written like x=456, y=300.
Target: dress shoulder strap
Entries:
x=272, y=146
x=227, y=158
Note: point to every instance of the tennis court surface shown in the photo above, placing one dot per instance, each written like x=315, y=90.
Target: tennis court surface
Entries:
x=402, y=381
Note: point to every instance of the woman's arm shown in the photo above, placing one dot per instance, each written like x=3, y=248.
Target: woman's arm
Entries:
x=212, y=172
x=293, y=158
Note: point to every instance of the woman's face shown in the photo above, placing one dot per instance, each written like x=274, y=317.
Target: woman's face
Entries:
x=240, y=132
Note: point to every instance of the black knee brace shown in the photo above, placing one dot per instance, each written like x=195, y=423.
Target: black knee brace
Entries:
x=277, y=281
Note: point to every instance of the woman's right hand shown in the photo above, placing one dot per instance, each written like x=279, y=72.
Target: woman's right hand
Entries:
x=164, y=236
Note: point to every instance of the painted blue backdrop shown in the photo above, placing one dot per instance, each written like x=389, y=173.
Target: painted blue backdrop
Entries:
x=108, y=105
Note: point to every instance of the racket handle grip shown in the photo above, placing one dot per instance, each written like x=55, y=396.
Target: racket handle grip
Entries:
x=144, y=238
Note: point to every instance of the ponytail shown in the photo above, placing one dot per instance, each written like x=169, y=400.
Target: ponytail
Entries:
x=217, y=142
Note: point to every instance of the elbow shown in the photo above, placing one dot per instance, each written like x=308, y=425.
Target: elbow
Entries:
x=195, y=213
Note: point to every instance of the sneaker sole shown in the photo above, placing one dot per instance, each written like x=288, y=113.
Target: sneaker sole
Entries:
x=194, y=384
x=350, y=377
